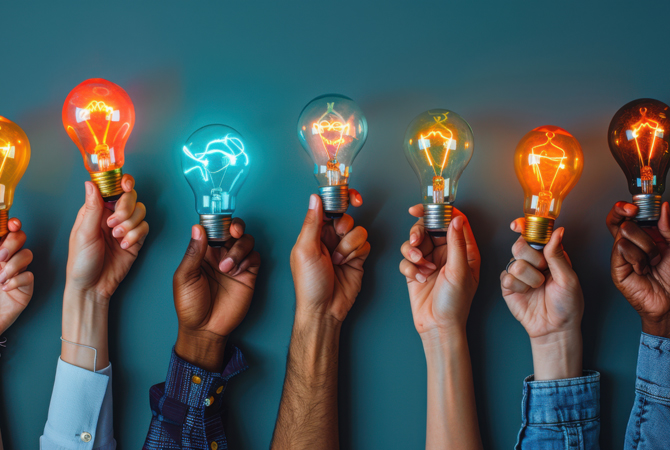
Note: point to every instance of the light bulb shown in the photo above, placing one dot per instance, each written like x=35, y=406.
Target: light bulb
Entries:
x=332, y=129
x=548, y=162
x=99, y=116
x=14, y=158
x=438, y=145
x=215, y=163
x=638, y=139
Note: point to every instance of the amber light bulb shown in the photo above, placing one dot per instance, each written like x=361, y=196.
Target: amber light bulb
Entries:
x=638, y=139
x=548, y=162
x=14, y=159
x=99, y=116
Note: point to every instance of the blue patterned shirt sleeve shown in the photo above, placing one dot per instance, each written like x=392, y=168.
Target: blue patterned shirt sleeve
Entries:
x=561, y=414
x=187, y=409
x=648, y=424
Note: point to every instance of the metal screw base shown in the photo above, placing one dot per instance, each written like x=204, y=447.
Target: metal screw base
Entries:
x=436, y=218
x=649, y=207
x=335, y=200
x=109, y=184
x=537, y=231
x=217, y=227
x=4, y=221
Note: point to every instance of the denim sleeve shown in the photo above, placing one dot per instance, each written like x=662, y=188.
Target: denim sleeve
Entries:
x=648, y=426
x=561, y=414
x=187, y=409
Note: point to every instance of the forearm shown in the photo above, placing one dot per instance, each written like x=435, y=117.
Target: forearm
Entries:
x=308, y=411
x=557, y=355
x=85, y=320
x=451, y=414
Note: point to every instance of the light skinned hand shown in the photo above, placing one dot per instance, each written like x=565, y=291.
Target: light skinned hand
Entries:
x=442, y=273
x=104, y=243
x=213, y=287
x=17, y=282
x=640, y=265
x=327, y=262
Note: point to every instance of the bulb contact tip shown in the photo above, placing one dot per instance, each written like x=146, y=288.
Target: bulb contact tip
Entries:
x=436, y=218
x=335, y=200
x=217, y=228
x=109, y=184
x=537, y=231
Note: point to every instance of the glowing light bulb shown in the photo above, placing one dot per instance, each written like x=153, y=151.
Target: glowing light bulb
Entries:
x=215, y=163
x=332, y=129
x=14, y=158
x=638, y=138
x=99, y=116
x=438, y=146
x=548, y=162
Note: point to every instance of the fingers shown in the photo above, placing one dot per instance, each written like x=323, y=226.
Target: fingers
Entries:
x=310, y=235
x=457, y=258
x=242, y=247
x=237, y=228
x=411, y=271
x=343, y=225
x=92, y=212
x=135, y=236
x=250, y=263
x=416, y=210
x=526, y=273
x=355, y=198
x=124, y=209
x=559, y=264
x=521, y=250
x=24, y=282
x=510, y=284
x=625, y=254
x=17, y=264
x=349, y=246
x=636, y=235
x=195, y=253
x=415, y=256
x=664, y=222
x=132, y=222
x=12, y=244
x=518, y=225
x=618, y=215
x=471, y=249
x=14, y=225
x=127, y=183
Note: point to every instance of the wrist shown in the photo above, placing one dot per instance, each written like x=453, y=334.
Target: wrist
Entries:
x=657, y=326
x=79, y=297
x=201, y=348
x=557, y=355
x=442, y=337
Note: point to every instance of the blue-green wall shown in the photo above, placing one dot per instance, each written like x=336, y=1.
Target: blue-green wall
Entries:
x=506, y=67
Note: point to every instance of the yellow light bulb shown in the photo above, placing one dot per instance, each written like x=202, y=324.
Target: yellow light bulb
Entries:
x=14, y=158
x=548, y=162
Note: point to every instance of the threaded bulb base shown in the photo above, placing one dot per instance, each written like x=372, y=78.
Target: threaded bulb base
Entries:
x=649, y=207
x=4, y=222
x=537, y=231
x=436, y=218
x=217, y=228
x=335, y=200
x=109, y=184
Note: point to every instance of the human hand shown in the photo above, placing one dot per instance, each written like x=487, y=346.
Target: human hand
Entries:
x=640, y=265
x=17, y=283
x=542, y=292
x=212, y=288
x=442, y=275
x=327, y=262
x=104, y=243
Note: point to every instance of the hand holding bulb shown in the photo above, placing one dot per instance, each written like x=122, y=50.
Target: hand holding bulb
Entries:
x=14, y=159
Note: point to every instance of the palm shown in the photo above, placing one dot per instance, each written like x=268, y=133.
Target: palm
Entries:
x=214, y=301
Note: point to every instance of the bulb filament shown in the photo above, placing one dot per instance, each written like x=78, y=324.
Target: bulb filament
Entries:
x=447, y=143
x=646, y=172
x=546, y=159
x=332, y=134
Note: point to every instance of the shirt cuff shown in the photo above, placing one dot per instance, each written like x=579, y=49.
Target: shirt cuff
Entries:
x=80, y=412
x=562, y=401
x=653, y=366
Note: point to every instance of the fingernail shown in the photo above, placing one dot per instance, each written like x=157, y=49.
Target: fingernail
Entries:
x=5, y=287
x=337, y=258
x=420, y=278
x=512, y=226
x=629, y=208
x=3, y=276
x=431, y=266
x=413, y=238
x=117, y=232
x=89, y=189
x=112, y=221
x=415, y=255
x=312, y=201
x=457, y=223
x=195, y=233
x=226, y=265
x=4, y=254
x=124, y=245
x=426, y=270
x=656, y=260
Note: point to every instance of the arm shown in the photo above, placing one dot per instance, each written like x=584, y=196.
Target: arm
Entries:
x=640, y=268
x=327, y=266
x=212, y=294
x=543, y=293
x=103, y=246
x=442, y=277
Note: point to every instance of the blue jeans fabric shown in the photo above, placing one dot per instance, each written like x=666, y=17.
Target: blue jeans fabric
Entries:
x=649, y=423
x=561, y=414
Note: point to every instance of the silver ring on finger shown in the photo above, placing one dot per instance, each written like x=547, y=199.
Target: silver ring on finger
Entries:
x=509, y=264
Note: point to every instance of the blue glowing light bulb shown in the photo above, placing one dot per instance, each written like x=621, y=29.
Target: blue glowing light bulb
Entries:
x=215, y=163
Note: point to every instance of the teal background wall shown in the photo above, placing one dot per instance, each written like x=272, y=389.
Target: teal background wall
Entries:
x=506, y=67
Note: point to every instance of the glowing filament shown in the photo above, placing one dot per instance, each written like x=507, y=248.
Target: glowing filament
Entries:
x=332, y=132
x=218, y=155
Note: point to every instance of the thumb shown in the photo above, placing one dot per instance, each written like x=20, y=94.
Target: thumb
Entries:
x=93, y=208
x=559, y=266
x=195, y=253
x=457, y=252
x=311, y=227
x=664, y=222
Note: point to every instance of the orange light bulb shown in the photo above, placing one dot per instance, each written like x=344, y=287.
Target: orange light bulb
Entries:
x=14, y=159
x=99, y=116
x=548, y=162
